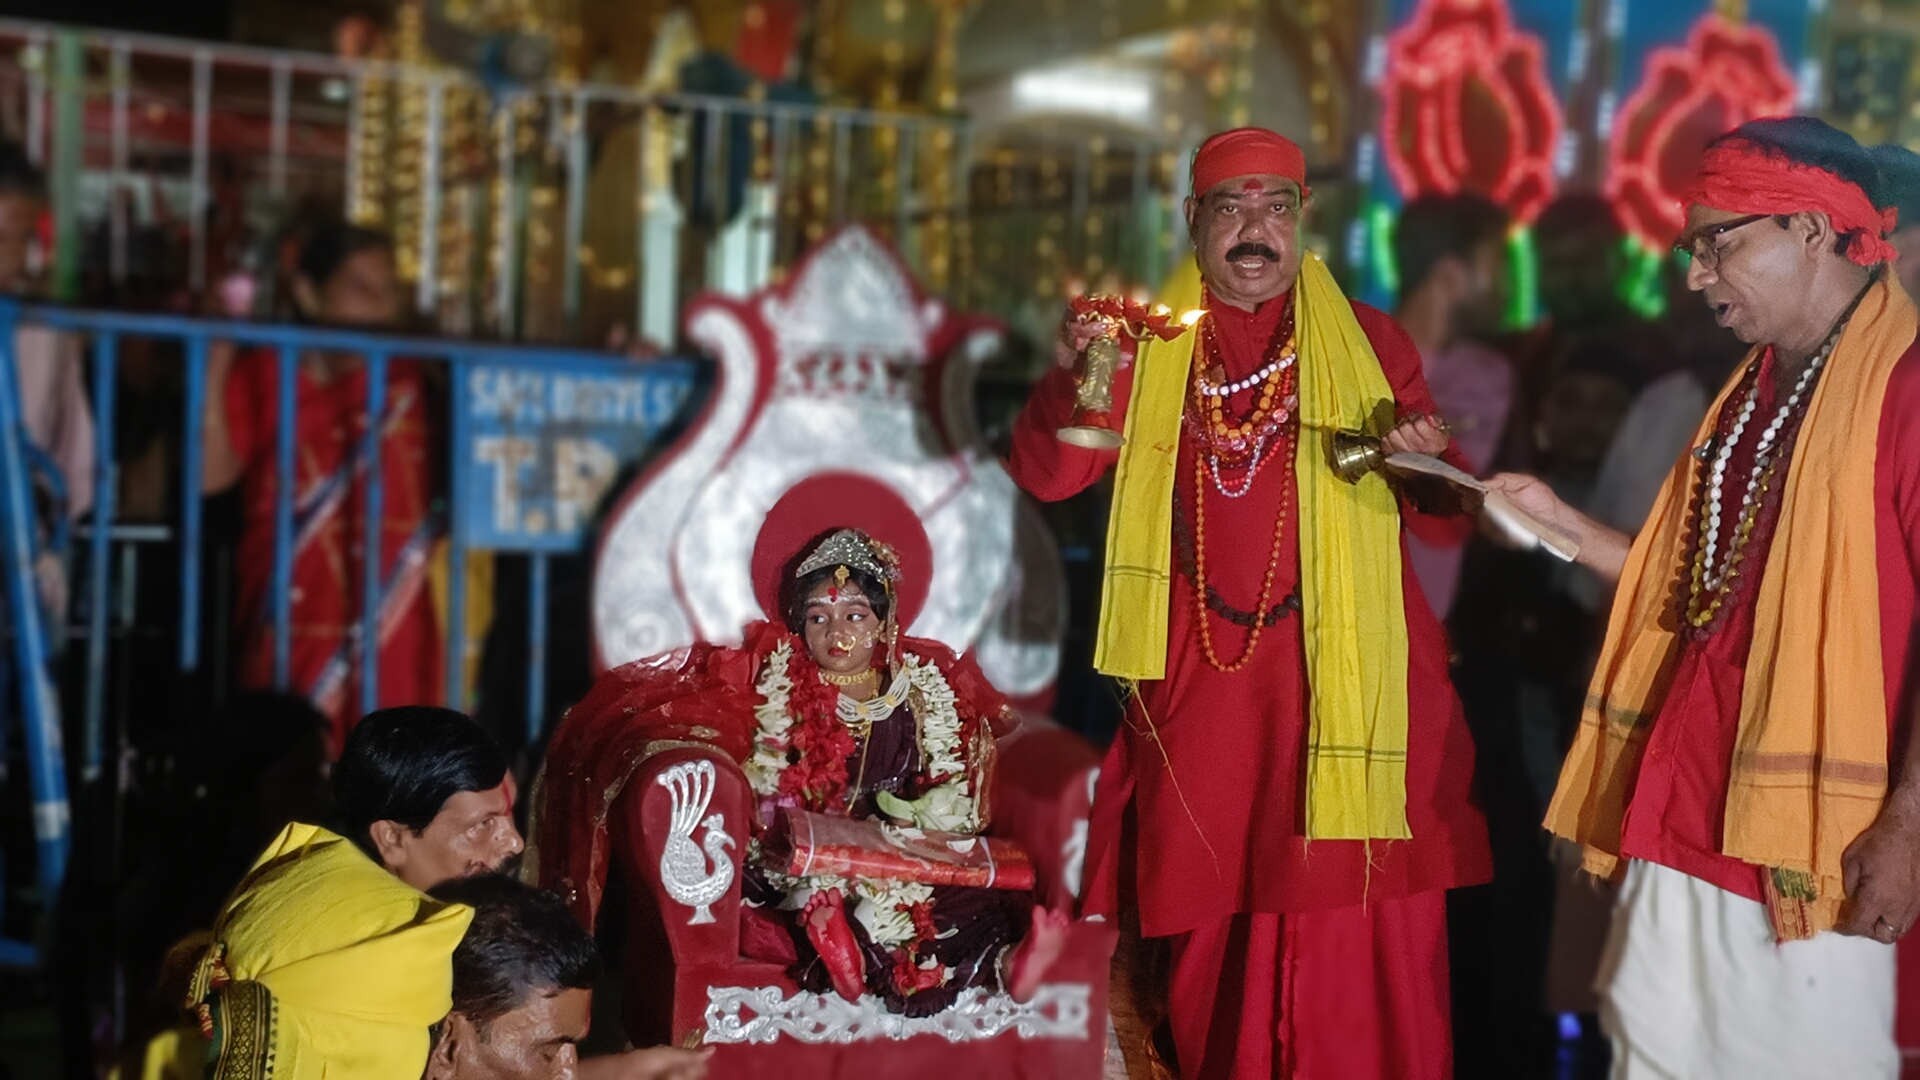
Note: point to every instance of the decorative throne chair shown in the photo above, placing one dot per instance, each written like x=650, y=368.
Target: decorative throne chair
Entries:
x=842, y=397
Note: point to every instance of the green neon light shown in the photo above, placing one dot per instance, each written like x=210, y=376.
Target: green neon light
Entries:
x=1386, y=271
x=1523, y=279
x=1641, y=286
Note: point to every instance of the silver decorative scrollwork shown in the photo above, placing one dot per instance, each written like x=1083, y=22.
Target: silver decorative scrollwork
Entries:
x=683, y=865
x=744, y=1014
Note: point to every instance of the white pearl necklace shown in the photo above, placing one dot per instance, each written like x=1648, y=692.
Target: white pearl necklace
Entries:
x=1275, y=366
x=1715, y=564
x=873, y=710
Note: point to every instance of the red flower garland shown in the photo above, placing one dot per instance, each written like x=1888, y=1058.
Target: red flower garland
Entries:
x=909, y=977
x=818, y=744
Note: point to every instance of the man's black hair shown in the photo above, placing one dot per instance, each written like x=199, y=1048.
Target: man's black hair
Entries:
x=1434, y=227
x=403, y=764
x=1900, y=181
x=1580, y=213
x=523, y=941
x=1808, y=140
x=18, y=174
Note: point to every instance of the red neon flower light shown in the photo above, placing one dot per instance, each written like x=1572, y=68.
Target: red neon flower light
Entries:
x=1724, y=77
x=1467, y=105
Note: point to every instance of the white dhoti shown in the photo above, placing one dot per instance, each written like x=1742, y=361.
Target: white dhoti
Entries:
x=1694, y=987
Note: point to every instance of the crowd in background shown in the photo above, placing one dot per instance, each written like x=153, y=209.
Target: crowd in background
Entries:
x=1596, y=399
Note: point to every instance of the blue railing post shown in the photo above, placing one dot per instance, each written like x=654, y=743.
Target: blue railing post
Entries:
x=536, y=645
x=192, y=461
x=286, y=428
x=52, y=821
x=100, y=550
x=373, y=565
x=457, y=543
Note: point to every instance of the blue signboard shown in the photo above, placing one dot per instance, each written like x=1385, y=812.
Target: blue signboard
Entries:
x=538, y=445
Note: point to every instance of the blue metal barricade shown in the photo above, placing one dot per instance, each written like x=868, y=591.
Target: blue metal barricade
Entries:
x=40, y=706
x=536, y=438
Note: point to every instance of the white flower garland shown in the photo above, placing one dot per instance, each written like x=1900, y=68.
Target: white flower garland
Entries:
x=769, y=757
x=950, y=806
x=885, y=908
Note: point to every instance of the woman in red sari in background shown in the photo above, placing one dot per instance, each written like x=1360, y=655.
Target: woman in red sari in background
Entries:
x=345, y=277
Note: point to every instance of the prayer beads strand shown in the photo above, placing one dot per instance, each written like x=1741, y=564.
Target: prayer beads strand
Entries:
x=1709, y=584
x=1201, y=614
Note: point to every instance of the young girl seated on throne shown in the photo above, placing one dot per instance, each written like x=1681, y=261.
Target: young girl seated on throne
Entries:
x=870, y=756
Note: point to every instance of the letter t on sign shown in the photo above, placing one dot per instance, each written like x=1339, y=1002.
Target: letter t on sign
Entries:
x=508, y=455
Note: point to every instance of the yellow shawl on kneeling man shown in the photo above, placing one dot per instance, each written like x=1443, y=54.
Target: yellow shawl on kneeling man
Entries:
x=1810, y=762
x=1352, y=609
x=325, y=965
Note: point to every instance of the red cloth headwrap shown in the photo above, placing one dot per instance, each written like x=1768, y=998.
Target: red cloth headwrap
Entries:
x=1741, y=177
x=1247, y=152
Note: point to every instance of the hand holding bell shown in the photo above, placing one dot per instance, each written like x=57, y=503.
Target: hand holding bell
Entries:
x=1354, y=454
x=1093, y=424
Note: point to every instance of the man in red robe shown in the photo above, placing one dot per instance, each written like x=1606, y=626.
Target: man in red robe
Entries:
x=1745, y=764
x=1289, y=957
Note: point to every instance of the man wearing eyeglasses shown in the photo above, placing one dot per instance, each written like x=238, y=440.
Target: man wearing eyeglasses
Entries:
x=1743, y=764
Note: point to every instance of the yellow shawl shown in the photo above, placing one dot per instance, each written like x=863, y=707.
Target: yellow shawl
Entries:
x=1350, y=587
x=1810, y=763
x=324, y=965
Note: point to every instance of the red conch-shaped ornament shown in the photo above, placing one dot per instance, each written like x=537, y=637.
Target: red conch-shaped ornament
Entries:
x=1136, y=319
x=1725, y=76
x=1467, y=106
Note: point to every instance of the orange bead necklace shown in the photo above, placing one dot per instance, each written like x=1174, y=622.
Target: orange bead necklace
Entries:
x=1243, y=441
x=1202, y=616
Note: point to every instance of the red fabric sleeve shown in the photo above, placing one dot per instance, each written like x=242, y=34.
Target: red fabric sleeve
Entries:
x=1897, y=537
x=1040, y=463
x=1400, y=362
x=1897, y=546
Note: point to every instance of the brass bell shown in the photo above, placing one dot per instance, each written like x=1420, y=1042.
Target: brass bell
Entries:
x=1355, y=455
x=1093, y=421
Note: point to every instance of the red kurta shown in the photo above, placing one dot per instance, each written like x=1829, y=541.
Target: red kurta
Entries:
x=1217, y=796
x=329, y=515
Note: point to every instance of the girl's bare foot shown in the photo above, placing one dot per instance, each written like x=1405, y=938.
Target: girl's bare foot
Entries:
x=1036, y=955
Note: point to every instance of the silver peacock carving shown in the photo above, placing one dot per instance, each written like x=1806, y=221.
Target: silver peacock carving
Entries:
x=684, y=866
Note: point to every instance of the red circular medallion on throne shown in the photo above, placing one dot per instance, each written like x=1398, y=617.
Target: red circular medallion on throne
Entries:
x=1467, y=106
x=1725, y=76
x=827, y=502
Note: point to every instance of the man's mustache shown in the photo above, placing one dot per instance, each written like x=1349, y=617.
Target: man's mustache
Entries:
x=1248, y=251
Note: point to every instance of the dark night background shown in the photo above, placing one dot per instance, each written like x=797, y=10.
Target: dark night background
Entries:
x=178, y=18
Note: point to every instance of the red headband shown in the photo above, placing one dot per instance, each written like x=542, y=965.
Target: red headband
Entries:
x=1741, y=177
x=1247, y=152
